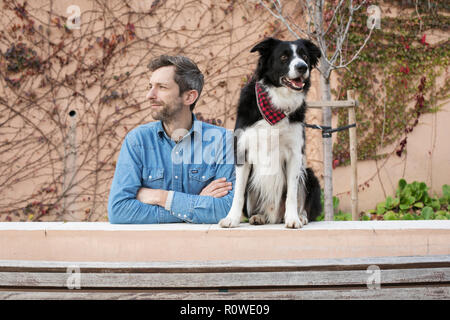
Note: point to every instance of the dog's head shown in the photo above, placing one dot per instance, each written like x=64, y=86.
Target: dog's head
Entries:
x=286, y=63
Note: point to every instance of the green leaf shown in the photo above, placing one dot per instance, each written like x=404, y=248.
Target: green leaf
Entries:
x=427, y=213
x=343, y=216
x=381, y=208
x=408, y=216
x=446, y=191
x=435, y=204
x=419, y=195
x=404, y=206
x=423, y=186
x=335, y=202
x=411, y=200
x=391, y=215
x=418, y=204
x=395, y=202
x=389, y=202
x=401, y=184
x=443, y=201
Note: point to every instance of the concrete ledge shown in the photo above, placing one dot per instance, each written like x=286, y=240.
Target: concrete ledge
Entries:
x=103, y=242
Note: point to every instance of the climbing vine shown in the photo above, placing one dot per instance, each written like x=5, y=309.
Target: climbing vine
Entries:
x=69, y=95
x=398, y=77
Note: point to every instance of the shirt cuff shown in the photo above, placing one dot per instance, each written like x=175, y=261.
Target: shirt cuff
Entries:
x=168, y=205
x=183, y=205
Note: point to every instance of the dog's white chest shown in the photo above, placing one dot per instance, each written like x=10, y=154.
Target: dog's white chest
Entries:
x=268, y=147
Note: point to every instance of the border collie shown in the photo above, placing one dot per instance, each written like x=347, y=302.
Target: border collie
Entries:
x=273, y=183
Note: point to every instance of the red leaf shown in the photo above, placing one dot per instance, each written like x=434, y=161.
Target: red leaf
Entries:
x=423, y=40
x=335, y=163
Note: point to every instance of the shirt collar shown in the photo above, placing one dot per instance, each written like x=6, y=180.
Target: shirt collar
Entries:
x=196, y=127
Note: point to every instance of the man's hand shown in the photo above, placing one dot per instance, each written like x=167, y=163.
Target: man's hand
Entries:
x=217, y=189
x=152, y=196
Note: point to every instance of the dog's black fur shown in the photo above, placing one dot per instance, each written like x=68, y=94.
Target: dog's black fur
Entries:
x=274, y=63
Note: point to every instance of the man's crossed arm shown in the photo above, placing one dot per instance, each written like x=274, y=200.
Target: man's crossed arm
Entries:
x=217, y=189
x=129, y=202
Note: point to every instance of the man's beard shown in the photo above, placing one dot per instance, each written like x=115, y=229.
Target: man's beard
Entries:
x=166, y=113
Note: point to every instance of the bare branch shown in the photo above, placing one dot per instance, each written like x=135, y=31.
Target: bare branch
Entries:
x=279, y=16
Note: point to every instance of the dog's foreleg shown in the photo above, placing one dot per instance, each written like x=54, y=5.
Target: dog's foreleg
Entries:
x=294, y=174
x=234, y=216
x=301, y=201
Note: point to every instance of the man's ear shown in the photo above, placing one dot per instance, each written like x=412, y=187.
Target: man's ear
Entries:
x=189, y=97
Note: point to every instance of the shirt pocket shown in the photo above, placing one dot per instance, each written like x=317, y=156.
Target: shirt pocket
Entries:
x=153, y=178
x=199, y=178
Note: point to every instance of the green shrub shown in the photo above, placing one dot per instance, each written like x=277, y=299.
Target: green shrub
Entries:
x=338, y=214
x=412, y=202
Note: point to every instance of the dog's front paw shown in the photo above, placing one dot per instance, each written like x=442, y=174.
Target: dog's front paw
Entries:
x=229, y=222
x=304, y=218
x=294, y=223
x=257, y=219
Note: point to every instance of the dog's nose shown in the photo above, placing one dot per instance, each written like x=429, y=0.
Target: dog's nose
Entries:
x=301, y=67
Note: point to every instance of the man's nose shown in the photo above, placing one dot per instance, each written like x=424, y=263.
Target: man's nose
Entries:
x=151, y=94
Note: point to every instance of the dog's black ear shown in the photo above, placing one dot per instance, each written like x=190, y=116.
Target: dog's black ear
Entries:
x=314, y=52
x=265, y=45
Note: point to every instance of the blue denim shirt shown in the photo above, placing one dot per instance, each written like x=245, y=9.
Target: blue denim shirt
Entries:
x=149, y=158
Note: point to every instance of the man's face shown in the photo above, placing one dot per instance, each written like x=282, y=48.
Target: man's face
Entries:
x=164, y=94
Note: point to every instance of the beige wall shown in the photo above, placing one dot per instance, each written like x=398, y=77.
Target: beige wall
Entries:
x=427, y=159
x=216, y=36
x=427, y=156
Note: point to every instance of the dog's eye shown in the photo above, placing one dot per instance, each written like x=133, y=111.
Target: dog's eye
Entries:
x=305, y=57
x=284, y=58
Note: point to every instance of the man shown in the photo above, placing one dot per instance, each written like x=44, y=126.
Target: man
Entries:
x=176, y=169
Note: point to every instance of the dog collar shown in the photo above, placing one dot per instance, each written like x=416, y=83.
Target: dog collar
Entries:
x=265, y=106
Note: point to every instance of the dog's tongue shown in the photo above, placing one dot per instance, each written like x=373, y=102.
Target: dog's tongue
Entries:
x=297, y=82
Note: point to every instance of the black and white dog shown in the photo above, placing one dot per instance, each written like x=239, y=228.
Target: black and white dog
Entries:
x=273, y=183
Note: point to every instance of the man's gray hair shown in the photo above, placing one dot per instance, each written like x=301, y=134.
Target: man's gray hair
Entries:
x=187, y=75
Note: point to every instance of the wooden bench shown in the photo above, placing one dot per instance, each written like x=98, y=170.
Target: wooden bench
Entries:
x=323, y=260
x=373, y=278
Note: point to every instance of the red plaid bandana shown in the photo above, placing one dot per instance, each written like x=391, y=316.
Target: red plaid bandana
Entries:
x=265, y=106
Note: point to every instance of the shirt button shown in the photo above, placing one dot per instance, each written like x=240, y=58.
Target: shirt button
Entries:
x=203, y=177
x=185, y=216
x=179, y=215
x=176, y=177
x=149, y=177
